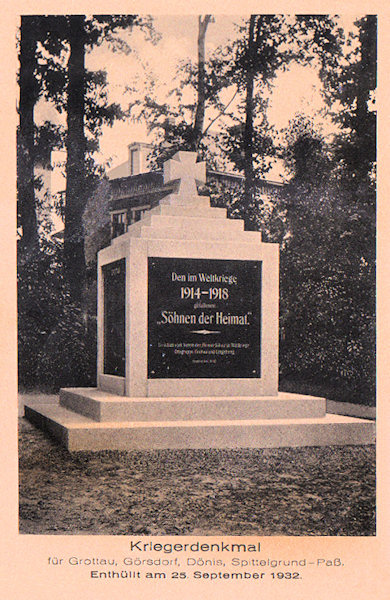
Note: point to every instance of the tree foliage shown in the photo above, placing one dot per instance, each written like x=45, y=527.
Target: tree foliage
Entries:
x=327, y=235
x=52, y=55
x=267, y=45
x=327, y=297
x=354, y=92
x=324, y=220
x=29, y=94
x=55, y=345
x=184, y=120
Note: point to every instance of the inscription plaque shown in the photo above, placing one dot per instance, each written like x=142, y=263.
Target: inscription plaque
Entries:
x=114, y=317
x=203, y=318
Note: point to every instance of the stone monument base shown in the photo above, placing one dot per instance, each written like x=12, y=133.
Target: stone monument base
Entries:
x=88, y=419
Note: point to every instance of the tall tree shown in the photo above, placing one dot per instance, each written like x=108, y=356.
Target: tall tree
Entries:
x=82, y=95
x=326, y=290
x=250, y=57
x=263, y=46
x=326, y=226
x=74, y=258
x=34, y=143
x=29, y=94
x=201, y=103
x=50, y=320
x=355, y=89
x=268, y=44
x=84, y=34
x=180, y=124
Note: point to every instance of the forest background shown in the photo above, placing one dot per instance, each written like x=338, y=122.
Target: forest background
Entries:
x=219, y=103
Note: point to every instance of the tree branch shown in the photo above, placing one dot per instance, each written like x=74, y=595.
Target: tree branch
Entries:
x=221, y=113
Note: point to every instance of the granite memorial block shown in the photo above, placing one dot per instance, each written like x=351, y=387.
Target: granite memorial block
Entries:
x=202, y=300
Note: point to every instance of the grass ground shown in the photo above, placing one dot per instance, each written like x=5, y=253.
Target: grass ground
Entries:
x=284, y=491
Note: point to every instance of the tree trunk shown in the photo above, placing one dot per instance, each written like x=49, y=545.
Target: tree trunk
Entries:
x=365, y=121
x=74, y=257
x=29, y=93
x=200, y=108
x=248, y=129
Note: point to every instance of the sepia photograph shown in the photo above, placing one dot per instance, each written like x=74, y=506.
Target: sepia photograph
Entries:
x=196, y=269
x=200, y=315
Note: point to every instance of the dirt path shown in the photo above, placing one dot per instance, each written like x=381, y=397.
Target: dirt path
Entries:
x=287, y=491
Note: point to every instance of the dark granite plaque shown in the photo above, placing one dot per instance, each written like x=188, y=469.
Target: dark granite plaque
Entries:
x=114, y=317
x=203, y=318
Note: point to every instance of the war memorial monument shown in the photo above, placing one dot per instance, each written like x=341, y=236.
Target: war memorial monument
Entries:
x=188, y=340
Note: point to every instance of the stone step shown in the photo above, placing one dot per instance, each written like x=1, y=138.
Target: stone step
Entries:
x=189, y=211
x=221, y=234
x=78, y=433
x=103, y=406
x=197, y=223
x=189, y=228
x=190, y=201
